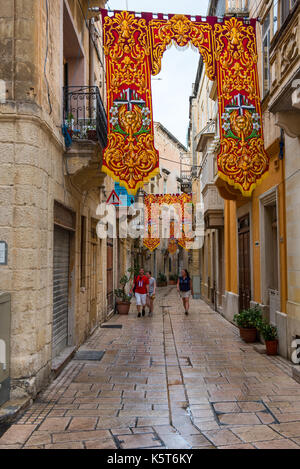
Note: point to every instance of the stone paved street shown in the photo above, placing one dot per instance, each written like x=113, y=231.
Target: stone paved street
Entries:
x=169, y=381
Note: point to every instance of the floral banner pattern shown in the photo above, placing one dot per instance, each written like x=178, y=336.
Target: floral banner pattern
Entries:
x=178, y=225
x=134, y=45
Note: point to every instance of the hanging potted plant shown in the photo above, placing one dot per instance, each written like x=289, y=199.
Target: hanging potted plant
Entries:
x=91, y=131
x=270, y=336
x=123, y=300
x=247, y=321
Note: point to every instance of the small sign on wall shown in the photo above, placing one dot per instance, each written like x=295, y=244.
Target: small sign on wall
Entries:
x=3, y=253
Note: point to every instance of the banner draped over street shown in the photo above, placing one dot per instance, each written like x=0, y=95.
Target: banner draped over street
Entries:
x=178, y=224
x=134, y=44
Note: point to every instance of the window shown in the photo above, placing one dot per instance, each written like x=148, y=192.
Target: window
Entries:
x=275, y=16
x=165, y=186
x=286, y=7
x=266, y=55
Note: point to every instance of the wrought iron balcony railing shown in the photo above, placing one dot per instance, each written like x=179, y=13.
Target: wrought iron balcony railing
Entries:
x=186, y=175
x=207, y=132
x=84, y=114
x=238, y=7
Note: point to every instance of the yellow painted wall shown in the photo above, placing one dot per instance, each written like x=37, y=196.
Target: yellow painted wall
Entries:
x=274, y=178
x=230, y=239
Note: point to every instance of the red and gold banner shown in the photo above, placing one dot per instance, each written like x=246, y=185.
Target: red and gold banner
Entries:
x=242, y=160
x=173, y=245
x=134, y=45
x=178, y=221
x=130, y=157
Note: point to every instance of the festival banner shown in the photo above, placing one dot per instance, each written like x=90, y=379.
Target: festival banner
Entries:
x=134, y=44
x=177, y=221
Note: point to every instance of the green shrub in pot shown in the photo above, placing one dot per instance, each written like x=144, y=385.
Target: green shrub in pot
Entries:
x=270, y=336
x=248, y=321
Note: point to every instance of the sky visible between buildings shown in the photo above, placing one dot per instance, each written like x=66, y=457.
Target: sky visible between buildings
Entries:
x=173, y=86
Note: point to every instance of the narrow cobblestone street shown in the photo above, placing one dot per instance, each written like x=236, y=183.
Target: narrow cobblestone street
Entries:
x=168, y=381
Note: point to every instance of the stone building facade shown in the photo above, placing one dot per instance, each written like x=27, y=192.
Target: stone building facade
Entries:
x=280, y=37
x=258, y=262
x=208, y=260
x=60, y=275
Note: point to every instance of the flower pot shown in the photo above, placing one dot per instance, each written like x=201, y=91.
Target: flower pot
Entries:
x=123, y=307
x=92, y=134
x=172, y=282
x=248, y=334
x=271, y=347
x=162, y=284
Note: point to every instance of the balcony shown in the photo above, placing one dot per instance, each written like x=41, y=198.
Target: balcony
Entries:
x=206, y=133
x=186, y=175
x=213, y=207
x=237, y=7
x=85, y=133
x=284, y=95
x=84, y=114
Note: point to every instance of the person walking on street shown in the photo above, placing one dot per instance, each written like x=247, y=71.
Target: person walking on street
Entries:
x=141, y=290
x=184, y=287
x=151, y=296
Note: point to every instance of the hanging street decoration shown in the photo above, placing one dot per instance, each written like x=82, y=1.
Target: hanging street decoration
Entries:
x=179, y=222
x=173, y=245
x=134, y=44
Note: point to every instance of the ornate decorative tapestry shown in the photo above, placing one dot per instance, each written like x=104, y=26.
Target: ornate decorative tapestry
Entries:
x=178, y=223
x=134, y=45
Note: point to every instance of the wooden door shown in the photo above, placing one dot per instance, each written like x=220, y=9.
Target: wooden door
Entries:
x=94, y=274
x=244, y=263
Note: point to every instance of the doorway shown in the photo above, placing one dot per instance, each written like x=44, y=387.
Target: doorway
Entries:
x=94, y=274
x=110, y=275
x=271, y=294
x=61, y=276
x=244, y=262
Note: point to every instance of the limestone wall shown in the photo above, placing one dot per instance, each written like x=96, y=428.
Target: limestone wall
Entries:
x=32, y=177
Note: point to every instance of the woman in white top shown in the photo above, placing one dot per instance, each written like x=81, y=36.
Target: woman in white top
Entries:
x=151, y=296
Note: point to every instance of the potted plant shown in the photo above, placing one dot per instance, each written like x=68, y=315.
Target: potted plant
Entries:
x=91, y=131
x=270, y=336
x=70, y=124
x=173, y=279
x=248, y=321
x=123, y=299
x=161, y=280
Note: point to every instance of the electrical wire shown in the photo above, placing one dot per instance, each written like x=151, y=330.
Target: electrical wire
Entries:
x=183, y=164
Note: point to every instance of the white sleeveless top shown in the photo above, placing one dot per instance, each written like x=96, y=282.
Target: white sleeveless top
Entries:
x=151, y=284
